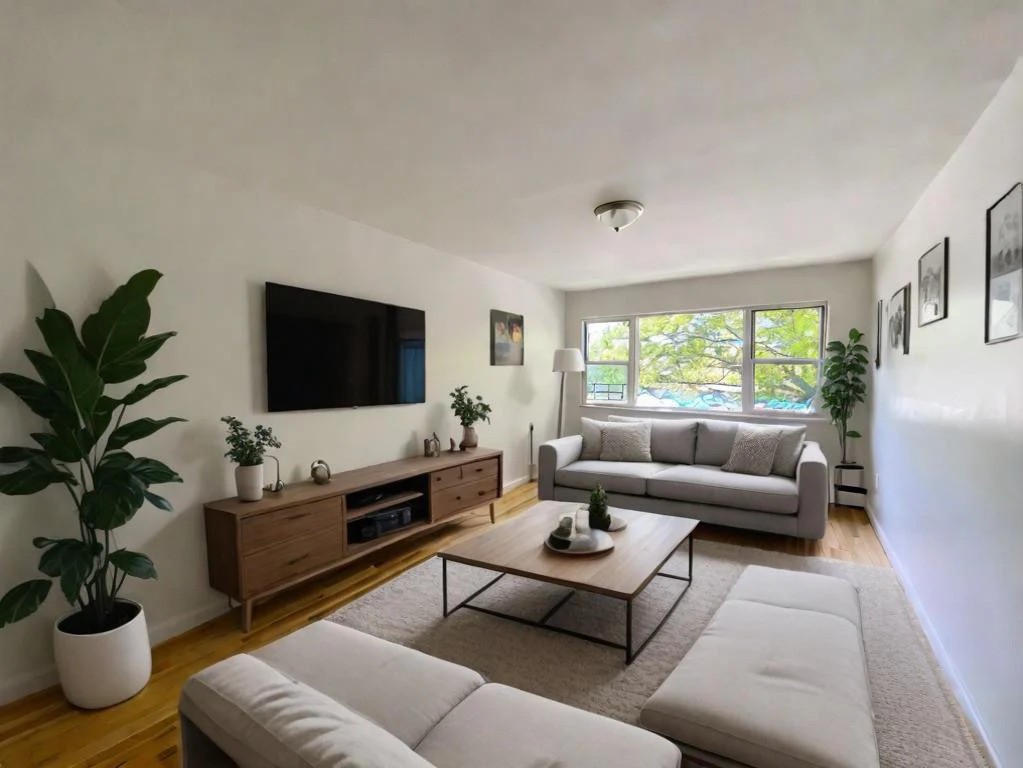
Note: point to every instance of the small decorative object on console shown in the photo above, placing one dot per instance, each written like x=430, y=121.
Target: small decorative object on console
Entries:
x=276, y=487
x=247, y=448
x=431, y=446
x=319, y=470
x=469, y=410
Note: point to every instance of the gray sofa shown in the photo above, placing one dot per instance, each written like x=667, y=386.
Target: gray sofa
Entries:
x=329, y=696
x=685, y=479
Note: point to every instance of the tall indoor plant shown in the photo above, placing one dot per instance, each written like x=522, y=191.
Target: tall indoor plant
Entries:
x=469, y=410
x=102, y=647
x=246, y=448
x=844, y=386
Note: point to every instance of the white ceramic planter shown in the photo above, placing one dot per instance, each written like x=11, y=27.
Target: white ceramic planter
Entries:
x=104, y=669
x=250, y=482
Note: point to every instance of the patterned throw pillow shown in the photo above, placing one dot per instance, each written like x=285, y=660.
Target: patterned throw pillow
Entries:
x=625, y=442
x=753, y=451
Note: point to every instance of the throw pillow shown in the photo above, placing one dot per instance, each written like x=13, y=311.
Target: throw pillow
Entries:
x=753, y=451
x=625, y=442
x=672, y=441
x=591, y=439
x=789, y=449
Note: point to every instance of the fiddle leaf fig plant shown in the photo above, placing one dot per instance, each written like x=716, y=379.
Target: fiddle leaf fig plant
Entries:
x=844, y=388
x=83, y=447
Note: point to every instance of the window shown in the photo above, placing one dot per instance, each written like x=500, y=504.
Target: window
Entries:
x=740, y=360
x=607, y=361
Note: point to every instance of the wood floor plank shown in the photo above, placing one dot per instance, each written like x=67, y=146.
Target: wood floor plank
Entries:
x=42, y=730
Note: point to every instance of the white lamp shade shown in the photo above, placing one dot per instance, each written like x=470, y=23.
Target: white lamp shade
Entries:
x=568, y=361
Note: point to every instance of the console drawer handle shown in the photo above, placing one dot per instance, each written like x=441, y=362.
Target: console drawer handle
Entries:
x=299, y=516
x=483, y=493
x=298, y=559
x=458, y=498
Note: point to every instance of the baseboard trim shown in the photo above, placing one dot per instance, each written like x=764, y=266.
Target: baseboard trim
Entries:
x=944, y=660
x=518, y=482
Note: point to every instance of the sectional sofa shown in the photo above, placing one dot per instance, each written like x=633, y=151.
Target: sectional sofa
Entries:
x=685, y=477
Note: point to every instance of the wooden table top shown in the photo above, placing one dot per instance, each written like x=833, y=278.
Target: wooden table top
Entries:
x=517, y=547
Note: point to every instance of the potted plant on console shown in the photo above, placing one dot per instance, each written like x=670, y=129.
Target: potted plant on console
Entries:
x=102, y=647
x=843, y=386
x=469, y=410
x=247, y=448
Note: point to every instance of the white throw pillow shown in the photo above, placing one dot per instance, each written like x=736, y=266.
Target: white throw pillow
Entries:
x=625, y=442
x=790, y=447
x=591, y=439
x=753, y=450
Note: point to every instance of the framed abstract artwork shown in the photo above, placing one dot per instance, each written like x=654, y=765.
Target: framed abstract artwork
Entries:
x=1003, y=311
x=898, y=320
x=932, y=285
x=507, y=338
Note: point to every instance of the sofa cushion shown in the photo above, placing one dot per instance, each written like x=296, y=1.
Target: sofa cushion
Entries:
x=753, y=450
x=543, y=733
x=672, y=441
x=710, y=485
x=771, y=685
x=790, y=447
x=262, y=719
x=591, y=438
x=615, y=476
x=625, y=442
x=714, y=440
x=400, y=689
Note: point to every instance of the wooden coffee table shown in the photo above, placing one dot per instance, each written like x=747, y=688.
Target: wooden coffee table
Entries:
x=517, y=548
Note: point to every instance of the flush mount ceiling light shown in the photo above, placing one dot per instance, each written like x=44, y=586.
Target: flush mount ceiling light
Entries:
x=619, y=214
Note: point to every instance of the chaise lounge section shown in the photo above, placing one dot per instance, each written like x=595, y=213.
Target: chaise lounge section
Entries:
x=685, y=478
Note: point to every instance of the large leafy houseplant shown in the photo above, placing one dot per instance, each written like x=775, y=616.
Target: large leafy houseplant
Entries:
x=84, y=448
x=844, y=387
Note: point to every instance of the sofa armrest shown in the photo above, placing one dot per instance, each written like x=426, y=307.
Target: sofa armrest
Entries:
x=812, y=483
x=555, y=454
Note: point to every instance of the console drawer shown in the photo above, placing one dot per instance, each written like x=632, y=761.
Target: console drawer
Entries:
x=465, y=496
x=282, y=525
x=445, y=478
x=480, y=469
x=290, y=559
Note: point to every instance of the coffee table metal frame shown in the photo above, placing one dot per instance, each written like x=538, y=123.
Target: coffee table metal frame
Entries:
x=543, y=622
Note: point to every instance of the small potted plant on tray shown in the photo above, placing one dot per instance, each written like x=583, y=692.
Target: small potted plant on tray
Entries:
x=246, y=448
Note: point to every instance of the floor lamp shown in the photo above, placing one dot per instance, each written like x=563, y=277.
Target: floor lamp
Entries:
x=566, y=361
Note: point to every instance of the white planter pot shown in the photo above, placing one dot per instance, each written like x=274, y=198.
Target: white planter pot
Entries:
x=250, y=482
x=103, y=669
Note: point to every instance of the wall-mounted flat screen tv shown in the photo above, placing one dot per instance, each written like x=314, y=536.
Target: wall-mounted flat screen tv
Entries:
x=330, y=351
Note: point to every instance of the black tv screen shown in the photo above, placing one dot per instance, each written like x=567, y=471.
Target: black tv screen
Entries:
x=330, y=351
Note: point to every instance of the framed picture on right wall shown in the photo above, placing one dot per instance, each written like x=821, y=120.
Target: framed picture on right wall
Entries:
x=1003, y=313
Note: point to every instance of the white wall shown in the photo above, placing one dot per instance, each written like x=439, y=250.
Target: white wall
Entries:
x=948, y=435
x=845, y=287
x=87, y=214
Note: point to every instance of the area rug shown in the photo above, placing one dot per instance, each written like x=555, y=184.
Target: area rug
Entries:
x=918, y=720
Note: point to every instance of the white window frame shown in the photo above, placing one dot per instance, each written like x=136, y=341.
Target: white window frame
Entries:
x=749, y=362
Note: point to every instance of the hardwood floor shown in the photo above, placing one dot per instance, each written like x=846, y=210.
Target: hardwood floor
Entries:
x=43, y=730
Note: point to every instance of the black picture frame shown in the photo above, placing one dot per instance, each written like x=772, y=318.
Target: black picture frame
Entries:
x=1013, y=216
x=937, y=253
x=899, y=309
x=507, y=338
x=879, y=338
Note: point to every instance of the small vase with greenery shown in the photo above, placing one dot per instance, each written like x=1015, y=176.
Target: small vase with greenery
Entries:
x=844, y=386
x=246, y=448
x=600, y=518
x=101, y=648
x=469, y=410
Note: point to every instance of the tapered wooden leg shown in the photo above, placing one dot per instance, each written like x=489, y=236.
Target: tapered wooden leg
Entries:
x=492, y=519
x=247, y=616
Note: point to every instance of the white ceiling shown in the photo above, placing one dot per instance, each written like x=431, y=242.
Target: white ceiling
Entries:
x=756, y=134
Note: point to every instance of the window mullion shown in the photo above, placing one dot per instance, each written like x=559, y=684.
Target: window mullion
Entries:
x=747, y=361
x=633, y=377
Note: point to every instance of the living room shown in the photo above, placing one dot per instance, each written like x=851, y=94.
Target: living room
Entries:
x=770, y=193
